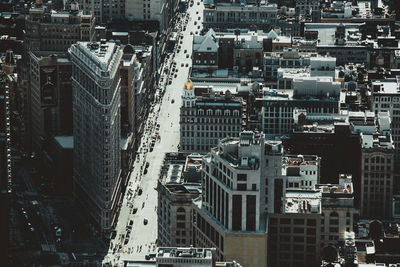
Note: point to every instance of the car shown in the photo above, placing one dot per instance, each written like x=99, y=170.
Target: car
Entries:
x=173, y=101
x=197, y=12
x=140, y=191
x=191, y=33
x=134, y=211
x=126, y=241
x=187, y=65
x=130, y=222
x=145, y=171
x=147, y=164
x=169, y=82
x=187, y=55
x=197, y=32
x=175, y=75
x=183, y=63
x=181, y=42
x=198, y=3
x=198, y=27
x=199, y=18
x=158, y=125
x=178, y=51
x=185, y=51
x=151, y=149
x=195, y=23
x=145, y=221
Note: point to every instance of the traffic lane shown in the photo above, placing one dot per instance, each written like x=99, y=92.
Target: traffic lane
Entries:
x=170, y=130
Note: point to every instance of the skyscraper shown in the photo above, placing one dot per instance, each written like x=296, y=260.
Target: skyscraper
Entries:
x=242, y=182
x=96, y=127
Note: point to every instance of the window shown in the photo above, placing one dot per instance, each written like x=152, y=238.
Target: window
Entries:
x=241, y=187
x=180, y=209
x=242, y=177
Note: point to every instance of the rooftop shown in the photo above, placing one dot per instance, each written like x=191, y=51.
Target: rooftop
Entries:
x=195, y=253
x=241, y=7
x=303, y=201
x=66, y=142
x=344, y=187
x=326, y=32
x=294, y=161
x=388, y=86
x=102, y=58
x=377, y=140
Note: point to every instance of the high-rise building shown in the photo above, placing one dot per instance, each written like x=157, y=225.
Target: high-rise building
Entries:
x=51, y=96
x=5, y=163
x=50, y=30
x=304, y=7
x=179, y=184
x=386, y=98
x=46, y=74
x=337, y=217
x=152, y=10
x=302, y=172
x=236, y=15
x=103, y=10
x=96, y=124
x=242, y=181
x=207, y=116
x=308, y=221
x=294, y=233
x=377, y=169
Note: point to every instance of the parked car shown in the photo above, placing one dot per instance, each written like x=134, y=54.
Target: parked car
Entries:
x=145, y=221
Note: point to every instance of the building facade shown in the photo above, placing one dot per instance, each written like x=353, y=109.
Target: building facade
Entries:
x=242, y=181
x=48, y=30
x=96, y=120
x=377, y=168
x=162, y=11
x=278, y=107
x=207, y=116
x=51, y=96
x=294, y=234
x=234, y=15
x=310, y=220
x=179, y=184
x=386, y=98
x=103, y=10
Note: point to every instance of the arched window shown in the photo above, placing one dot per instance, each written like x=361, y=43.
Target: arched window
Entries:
x=180, y=209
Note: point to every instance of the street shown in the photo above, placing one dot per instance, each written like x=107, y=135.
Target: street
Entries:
x=165, y=113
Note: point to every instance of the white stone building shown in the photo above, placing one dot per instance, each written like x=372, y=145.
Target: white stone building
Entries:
x=96, y=120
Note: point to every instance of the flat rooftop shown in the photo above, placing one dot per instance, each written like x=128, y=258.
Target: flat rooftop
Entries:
x=194, y=253
x=66, y=142
x=389, y=86
x=302, y=201
x=326, y=32
x=101, y=52
x=377, y=141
